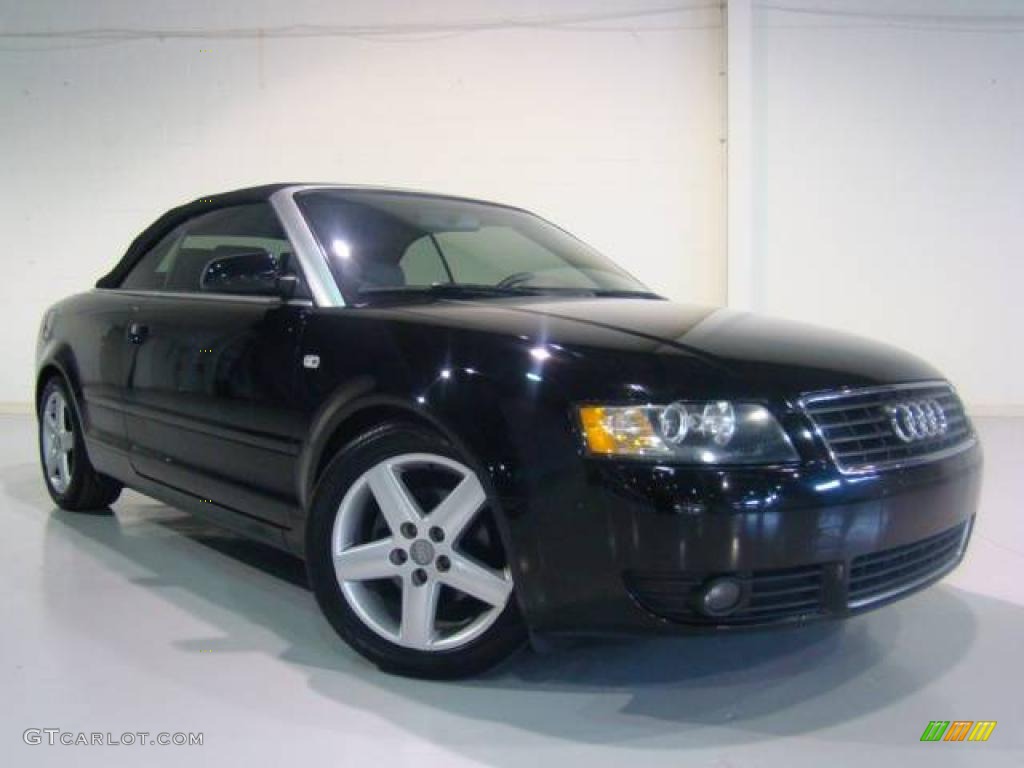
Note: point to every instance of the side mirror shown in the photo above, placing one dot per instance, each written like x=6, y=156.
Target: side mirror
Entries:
x=287, y=284
x=254, y=273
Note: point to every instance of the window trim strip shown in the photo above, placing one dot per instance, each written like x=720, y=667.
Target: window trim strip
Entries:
x=207, y=296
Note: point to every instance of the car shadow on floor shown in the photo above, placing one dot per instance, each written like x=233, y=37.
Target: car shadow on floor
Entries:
x=664, y=693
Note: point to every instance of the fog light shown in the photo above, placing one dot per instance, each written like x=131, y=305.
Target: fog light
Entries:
x=721, y=596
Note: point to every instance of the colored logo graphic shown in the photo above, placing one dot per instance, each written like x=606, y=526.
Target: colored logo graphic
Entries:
x=958, y=730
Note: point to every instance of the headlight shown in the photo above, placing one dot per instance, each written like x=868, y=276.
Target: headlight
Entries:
x=715, y=432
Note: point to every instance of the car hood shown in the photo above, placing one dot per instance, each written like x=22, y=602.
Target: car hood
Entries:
x=742, y=346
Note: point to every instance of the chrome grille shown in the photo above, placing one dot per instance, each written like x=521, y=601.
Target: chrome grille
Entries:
x=857, y=425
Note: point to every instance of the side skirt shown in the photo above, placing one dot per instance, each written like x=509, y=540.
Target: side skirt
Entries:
x=111, y=461
x=225, y=517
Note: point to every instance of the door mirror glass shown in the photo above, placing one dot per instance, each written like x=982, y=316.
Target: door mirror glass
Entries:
x=252, y=273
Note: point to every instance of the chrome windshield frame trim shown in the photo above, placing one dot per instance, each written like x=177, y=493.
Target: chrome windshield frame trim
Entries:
x=810, y=398
x=317, y=272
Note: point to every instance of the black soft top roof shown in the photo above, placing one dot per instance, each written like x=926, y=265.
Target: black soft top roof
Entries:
x=159, y=228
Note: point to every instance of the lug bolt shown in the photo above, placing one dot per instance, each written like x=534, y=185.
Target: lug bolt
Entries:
x=398, y=556
x=408, y=530
x=419, y=577
x=443, y=563
x=436, y=534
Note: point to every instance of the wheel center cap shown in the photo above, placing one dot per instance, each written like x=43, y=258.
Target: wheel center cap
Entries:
x=422, y=551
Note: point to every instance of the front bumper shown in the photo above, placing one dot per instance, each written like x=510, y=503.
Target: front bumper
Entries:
x=624, y=548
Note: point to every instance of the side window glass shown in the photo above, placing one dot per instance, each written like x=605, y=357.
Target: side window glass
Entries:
x=239, y=249
x=422, y=264
x=150, y=272
x=244, y=241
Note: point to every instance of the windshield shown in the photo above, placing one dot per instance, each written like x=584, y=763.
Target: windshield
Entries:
x=397, y=243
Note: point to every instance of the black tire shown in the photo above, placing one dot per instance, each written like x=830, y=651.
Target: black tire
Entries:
x=501, y=639
x=87, y=489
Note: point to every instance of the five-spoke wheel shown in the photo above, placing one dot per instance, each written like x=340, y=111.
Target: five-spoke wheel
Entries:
x=72, y=481
x=406, y=557
x=420, y=553
x=58, y=441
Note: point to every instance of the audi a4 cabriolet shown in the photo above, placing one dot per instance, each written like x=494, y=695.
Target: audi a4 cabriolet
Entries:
x=478, y=431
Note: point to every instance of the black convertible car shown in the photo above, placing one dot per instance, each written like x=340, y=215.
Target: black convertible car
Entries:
x=475, y=429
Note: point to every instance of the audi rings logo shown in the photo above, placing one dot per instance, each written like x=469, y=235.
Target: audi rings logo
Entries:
x=917, y=420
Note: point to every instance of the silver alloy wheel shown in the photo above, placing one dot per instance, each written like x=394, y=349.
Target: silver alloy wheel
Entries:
x=421, y=554
x=58, y=441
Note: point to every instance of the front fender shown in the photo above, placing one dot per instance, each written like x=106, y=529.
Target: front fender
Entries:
x=480, y=431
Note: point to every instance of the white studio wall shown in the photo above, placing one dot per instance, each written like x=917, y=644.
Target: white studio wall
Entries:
x=888, y=179
x=875, y=155
x=603, y=117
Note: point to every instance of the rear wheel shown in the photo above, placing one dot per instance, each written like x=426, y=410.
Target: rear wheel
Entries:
x=72, y=482
x=406, y=559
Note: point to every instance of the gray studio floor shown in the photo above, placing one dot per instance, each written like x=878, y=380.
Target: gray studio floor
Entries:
x=149, y=621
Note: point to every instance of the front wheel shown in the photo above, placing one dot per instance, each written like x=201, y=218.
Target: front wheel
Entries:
x=406, y=560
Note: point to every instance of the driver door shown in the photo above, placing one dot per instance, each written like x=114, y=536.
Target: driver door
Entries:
x=213, y=385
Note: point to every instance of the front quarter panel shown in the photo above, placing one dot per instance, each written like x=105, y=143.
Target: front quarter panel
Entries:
x=483, y=391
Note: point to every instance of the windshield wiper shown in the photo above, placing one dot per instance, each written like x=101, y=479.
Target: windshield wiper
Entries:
x=443, y=290
x=478, y=290
x=620, y=294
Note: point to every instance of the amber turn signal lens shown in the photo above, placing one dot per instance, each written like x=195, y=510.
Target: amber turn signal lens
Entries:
x=599, y=440
x=622, y=431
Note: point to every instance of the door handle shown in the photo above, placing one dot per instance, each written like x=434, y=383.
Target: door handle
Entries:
x=137, y=333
